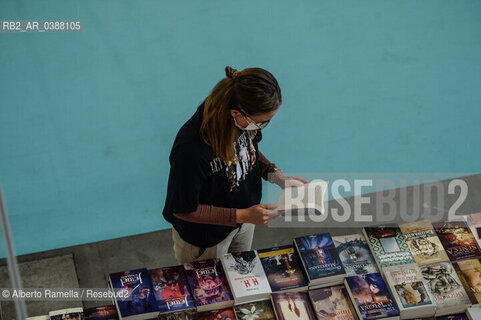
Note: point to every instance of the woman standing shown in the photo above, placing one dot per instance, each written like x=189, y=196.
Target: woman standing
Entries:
x=214, y=186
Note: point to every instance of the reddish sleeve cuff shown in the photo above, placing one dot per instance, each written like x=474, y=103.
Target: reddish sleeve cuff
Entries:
x=207, y=214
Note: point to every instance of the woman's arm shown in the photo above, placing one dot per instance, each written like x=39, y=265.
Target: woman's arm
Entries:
x=207, y=214
x=266, y=166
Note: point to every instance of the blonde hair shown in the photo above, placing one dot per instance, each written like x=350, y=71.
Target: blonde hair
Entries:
x=255, y=90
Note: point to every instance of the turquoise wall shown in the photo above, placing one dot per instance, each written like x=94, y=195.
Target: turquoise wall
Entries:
x=87, y=119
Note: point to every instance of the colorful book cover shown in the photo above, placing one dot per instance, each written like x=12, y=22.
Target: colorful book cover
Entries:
x=292, y=306
x=259, y=310
x=388, y=245
x=424, y=243
x=445, y=286
x=474, y=224
x=180, y=315
x=457, y=239
x=72, y=313
x=319, y=256
x=101, y=313
x=134, y=293
x=371, y=296
x=171, y=289
x=208, y=282
x=224, y=314
x=355, y=255
x=282, y=268
x=246, y=276
x=469, y=272
x=409, y=288
x=332, y=303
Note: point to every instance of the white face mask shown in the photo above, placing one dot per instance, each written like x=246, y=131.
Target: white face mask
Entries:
x=252, y=125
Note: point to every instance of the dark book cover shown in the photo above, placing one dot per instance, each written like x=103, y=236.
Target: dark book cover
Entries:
x=259, y=310
x=224, y=314
x=460, y=316
x=332, y=303
x=208, y=282
x=180, y=315
x=282, y=267
x=72, y=313
x=319, y=256
x=101, y=313
x=292, y=306
x=457, y=240
x=371, y=296
x=355, y=254
x=134, y=293
x=171, y=289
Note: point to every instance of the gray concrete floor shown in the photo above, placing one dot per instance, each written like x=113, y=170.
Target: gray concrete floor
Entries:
x=91, y=263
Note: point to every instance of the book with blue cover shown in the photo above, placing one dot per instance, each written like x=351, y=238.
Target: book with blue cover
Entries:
x=171, y=289
x=134, y=296
x=371, y=297
x=355, y=254
x=320, y=259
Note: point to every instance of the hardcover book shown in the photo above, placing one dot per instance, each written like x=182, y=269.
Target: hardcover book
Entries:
x=446, y=288
x=283, y=269
x=223, y=314
x=101, y=313
x=246, y=276
x=457, y=240
x=410, y=291
x=208, y=284
x=292, y=306
x=320, y=259
x=469, y=272
x=424, y=243
x=72, y=313
x=171, y=289
x=259, y=310
x=388, y=245
x=371, y=297
x=355, y=255
x=134, y=297
x=332, y=303
x=180, y=315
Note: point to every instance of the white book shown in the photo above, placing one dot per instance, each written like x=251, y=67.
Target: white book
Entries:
x=474, y=313
x=410, y=290
x=246, y=276
x=309, y=196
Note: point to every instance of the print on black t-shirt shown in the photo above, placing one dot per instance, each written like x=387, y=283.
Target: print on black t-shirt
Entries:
x=245, y=154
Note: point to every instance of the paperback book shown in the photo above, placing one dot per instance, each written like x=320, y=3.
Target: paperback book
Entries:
x=371, y=297
x=283, y=269
x=292, y=306
x=424, y=243
x=410, y=291
x=223, y=314
x=180, y=315
x=208, y=285
x=388, y=245
x=320, y=259
x=71, y=313
x=134, y=297
x=355, y=255
x=457, y=240
x=246, y=276
x=474, y=224
x=259, y=310
x=469, y=272
x=332, y=303
x=446, y=288
x=101, y=313
x=171, y=289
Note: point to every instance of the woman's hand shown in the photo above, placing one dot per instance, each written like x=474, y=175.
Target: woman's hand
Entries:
x=284, y=181
x=259, y=214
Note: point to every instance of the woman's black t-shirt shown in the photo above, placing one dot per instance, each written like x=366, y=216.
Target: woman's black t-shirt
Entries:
x=198, y=177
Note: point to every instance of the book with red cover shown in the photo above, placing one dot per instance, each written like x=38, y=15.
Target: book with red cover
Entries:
x=223, y=314
x=457, y=239
x=292, y=306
